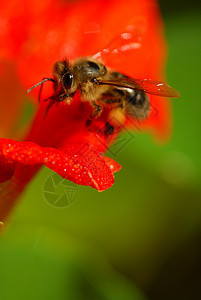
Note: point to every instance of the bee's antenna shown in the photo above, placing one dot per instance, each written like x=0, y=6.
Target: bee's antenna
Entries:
x=44, y=79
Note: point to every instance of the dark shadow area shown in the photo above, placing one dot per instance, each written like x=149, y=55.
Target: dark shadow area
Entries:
x=180, y=276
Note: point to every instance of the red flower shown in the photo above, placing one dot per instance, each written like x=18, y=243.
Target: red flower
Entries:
x=38, y=33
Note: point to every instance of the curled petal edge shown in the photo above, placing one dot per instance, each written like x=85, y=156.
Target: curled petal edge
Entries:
x=79, y=163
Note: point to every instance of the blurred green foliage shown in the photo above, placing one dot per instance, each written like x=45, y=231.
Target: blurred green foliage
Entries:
x=141, y=237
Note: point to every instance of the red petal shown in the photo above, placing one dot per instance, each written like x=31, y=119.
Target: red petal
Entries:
x=80, y=165
x=114, y=166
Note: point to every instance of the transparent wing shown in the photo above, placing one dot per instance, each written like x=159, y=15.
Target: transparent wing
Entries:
x=124, y=42
x=146, y=85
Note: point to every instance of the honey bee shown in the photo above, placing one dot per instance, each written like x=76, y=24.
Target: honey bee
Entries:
x=102, y=86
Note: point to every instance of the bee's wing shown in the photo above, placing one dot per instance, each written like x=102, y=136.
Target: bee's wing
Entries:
x=121, y=43
x=145, y=85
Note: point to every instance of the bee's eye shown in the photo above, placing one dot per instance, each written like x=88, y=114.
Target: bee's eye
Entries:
x=67, y=80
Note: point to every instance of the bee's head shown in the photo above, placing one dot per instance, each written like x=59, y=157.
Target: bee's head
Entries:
x=63, y=74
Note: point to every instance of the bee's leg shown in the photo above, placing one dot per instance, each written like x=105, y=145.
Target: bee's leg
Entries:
x=116, y=116
x=109, y=129
x=113, y=99
x=52, y=99
x=41, y=87
x=107, y=99
x=62, y=97
x=97, y=110
x=88, y=122
x=57, y=98
x=52, y=102
x=95, y=114
x=68, y=97
x=120, y=103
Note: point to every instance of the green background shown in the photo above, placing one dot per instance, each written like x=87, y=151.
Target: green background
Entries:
x=141, y=239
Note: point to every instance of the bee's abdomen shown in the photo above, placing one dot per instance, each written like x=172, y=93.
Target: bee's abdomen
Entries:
x=137, y=104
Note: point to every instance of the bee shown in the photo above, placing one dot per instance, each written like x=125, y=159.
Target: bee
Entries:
x=102, y=86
